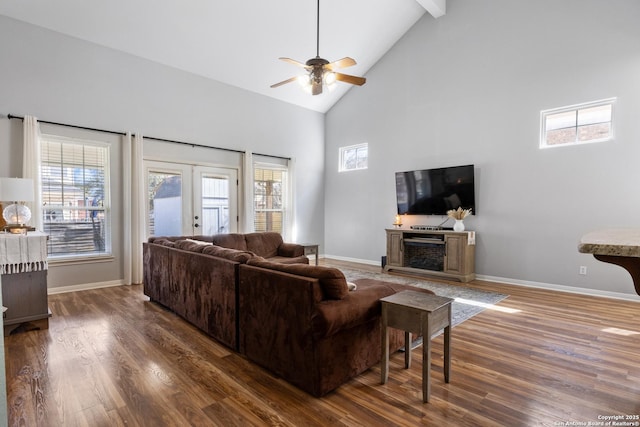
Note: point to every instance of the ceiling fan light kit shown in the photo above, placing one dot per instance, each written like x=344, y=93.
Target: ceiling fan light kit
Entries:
x=321, y=72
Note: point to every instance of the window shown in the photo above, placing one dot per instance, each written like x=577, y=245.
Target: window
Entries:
x=75, y=197
x=577, y=124
x=354, y=157
x=268, y=198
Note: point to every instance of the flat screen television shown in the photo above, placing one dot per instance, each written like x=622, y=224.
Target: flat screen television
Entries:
x=435, y=191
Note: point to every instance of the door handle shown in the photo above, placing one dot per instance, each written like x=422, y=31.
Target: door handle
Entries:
x=196, y=225
x=196, y=217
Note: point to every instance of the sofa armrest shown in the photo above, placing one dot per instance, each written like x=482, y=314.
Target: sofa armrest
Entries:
x=275, y=312
x=360, y=306
x=290, y=250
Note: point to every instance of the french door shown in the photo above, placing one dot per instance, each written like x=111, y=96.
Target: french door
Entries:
x=186, y=199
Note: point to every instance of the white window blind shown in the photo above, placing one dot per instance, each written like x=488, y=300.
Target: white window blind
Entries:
x=75, y=197
x=268, y=199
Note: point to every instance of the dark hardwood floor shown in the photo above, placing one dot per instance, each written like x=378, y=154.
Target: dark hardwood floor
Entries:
x=539, y=358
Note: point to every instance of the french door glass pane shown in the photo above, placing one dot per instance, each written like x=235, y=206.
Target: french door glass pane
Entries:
x=165, y=204
x=215, y=205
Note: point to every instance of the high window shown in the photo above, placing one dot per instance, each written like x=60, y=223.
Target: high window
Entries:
x=354, y=157
x=577, y=124
x=269, y=192
x=75, y=197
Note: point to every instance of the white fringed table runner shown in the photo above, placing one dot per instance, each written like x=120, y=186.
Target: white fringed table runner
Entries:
x=23, y=253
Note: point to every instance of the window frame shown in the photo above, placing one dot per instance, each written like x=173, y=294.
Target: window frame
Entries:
x=576, y=108
x=342, y=151
x=284, y=210
x=106, y=207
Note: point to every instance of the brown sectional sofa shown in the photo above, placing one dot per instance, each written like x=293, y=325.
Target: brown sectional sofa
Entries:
x=198, y=279
x=296, y=320
x=195, y=284
x=302, y=323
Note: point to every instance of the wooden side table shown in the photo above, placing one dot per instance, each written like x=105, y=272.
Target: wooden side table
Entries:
x=310, y=249
x=421, y=313
x=23, y=266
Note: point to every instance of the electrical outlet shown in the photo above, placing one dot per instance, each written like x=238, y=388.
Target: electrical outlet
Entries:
x=583, y=270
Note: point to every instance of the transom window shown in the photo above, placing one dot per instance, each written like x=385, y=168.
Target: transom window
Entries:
x=75, y=197
x=354, y=157
x=577, y=124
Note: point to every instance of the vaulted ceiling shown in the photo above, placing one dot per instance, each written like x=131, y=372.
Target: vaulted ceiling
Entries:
x=237, y=42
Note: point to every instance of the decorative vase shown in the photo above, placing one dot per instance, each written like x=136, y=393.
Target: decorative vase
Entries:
x=459, y=225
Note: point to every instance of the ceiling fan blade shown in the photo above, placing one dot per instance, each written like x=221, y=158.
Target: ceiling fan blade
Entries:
x=294, y=62
x=341, y=63
x=285, y=82
x=316, y=88
x=354, y=80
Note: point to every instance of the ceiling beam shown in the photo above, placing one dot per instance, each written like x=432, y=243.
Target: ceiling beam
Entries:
x=436, y=8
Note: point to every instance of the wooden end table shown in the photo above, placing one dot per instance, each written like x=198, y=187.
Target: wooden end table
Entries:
x=422, y=313
x=310, y=249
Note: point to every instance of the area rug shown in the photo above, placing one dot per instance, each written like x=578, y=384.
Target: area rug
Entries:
x=467, y=303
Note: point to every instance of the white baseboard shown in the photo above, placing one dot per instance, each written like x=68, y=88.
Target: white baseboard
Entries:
x=524, y=283
x=361, y=261
x=560, y=288
x=84, y=287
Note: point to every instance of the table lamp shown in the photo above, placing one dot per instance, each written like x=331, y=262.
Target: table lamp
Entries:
x=17, y=215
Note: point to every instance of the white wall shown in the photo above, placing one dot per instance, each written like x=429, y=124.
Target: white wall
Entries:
x=468, y=88
x=62, y=79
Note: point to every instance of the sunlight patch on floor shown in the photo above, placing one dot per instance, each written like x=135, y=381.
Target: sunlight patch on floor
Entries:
x=487, y=306
x=619, y=331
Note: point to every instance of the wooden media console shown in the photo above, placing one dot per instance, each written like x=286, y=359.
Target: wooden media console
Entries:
x=443, y=253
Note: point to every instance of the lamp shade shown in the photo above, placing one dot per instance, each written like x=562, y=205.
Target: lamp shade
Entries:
x=16, y=190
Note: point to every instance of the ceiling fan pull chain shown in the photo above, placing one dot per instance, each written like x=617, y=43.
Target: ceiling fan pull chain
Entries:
x=318, y=31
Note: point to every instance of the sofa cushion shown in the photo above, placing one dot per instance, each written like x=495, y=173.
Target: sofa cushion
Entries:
x=358, y=307
x=231, y=241
x=332, y=281
x=290, y=250
x=202, y=238
x=189, y=245
x=164, y=242
x=263, y=244
x=288, y=260
x=226, y=253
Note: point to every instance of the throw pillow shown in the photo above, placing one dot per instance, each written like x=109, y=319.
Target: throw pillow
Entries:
x=199, y=242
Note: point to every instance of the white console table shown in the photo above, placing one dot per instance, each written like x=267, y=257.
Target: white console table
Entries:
x=23, y=266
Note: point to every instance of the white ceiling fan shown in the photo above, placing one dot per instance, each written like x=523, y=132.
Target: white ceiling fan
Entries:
x=320, y=71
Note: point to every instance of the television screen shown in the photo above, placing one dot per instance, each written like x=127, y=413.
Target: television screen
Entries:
x=435, y=191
